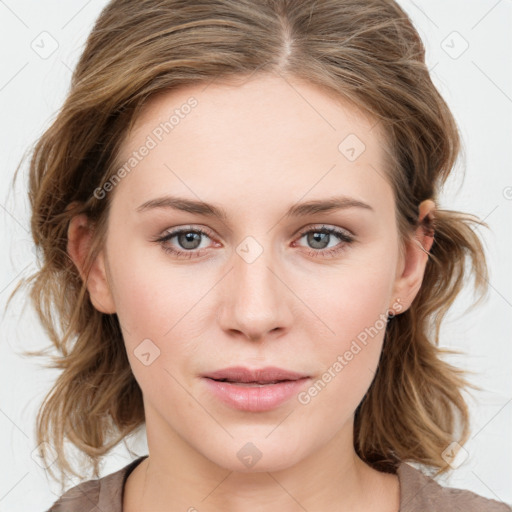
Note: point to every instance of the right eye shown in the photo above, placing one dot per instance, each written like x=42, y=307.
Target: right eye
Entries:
x=188, y=240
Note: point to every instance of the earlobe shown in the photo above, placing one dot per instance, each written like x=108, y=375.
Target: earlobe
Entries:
x=80, y=236
x=413, y=263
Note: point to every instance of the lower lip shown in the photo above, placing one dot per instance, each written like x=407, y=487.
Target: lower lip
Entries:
x=255, y=398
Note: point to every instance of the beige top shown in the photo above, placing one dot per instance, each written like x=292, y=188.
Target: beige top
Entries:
x=418, y=493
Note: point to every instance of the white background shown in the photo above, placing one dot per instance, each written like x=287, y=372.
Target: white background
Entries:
x=478, y=87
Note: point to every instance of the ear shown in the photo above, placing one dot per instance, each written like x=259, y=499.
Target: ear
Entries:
x=411, y=267
x=80, y=236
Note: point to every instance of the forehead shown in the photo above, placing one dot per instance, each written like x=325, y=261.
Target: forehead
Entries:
x=300, y=109
x=255, y=135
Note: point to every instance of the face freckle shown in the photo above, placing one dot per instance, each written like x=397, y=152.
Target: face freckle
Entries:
x=252, y=166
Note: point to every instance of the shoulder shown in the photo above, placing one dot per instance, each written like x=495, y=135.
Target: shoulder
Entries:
x=81, y=497
x=419, y=492
x=96, y=495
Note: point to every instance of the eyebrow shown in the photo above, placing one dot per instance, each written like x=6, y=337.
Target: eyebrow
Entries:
x=210, y=210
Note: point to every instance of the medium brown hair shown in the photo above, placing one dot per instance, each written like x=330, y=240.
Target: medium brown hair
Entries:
x=364, y=51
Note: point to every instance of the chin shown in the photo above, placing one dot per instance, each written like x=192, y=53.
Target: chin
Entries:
x=257, y=455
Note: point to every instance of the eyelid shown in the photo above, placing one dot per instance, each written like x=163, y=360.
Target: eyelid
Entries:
x=320, y=227
x=188, y=227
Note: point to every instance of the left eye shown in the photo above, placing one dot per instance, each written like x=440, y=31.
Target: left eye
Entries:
x=322, y=236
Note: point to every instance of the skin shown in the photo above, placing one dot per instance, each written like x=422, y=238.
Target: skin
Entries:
x=255, y=148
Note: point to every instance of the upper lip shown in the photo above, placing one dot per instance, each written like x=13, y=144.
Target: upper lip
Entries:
x=261, y=375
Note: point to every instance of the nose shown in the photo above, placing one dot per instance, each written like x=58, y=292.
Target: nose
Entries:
x=255, y=299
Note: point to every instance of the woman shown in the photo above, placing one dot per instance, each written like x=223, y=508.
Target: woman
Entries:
x=237, y=208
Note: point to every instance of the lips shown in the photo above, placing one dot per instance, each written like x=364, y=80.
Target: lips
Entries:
x=262, y=376
x=256, y=390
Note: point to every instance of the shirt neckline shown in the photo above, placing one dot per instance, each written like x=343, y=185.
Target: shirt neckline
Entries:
x=114, y=491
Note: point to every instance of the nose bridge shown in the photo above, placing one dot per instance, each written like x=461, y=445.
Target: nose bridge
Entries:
x=254, y=303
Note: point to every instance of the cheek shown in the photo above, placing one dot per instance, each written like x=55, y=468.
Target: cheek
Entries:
x=158, y=306
x=364, y=300
x=151, y=296
x=354, y=307
x=353, y=298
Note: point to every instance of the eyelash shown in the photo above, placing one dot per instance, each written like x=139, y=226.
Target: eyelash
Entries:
x=345, y=238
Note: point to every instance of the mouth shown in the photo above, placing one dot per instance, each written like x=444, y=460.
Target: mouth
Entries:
x=254, y=390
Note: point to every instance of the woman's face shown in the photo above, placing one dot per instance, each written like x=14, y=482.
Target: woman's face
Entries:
x=266, y=284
